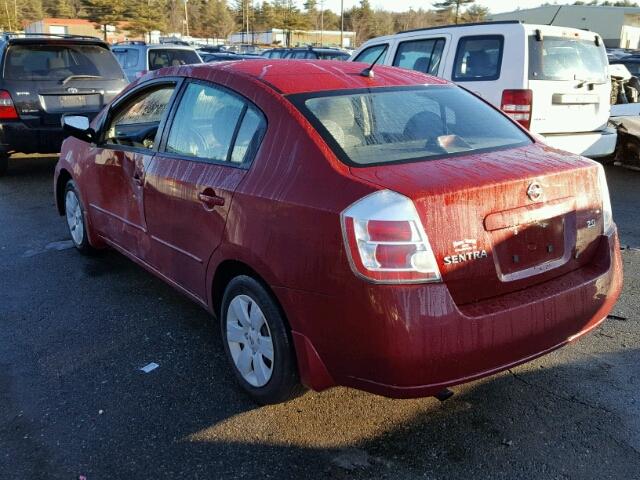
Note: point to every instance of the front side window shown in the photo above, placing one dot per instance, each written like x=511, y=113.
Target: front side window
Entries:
x=206, y=125
x=420, y=55
x=478, y=58
x=388, y=125
x=60, y=62
x=368, y=55
x=136, y=123
x=565, y=58
x=171, y=57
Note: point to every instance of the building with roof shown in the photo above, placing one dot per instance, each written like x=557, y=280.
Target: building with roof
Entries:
x=618, y=26
x=76, y=26
x=295, y=38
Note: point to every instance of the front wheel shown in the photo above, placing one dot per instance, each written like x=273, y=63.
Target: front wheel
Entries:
x=75, y=216
x=257, y=342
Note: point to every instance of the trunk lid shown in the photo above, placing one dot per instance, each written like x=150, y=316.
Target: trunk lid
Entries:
x=502, y=221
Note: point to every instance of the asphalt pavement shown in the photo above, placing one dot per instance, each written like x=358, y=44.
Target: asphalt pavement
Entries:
x=76, y=331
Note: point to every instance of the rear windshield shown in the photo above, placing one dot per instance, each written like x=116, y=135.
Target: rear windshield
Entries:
x=563, y=58
x=160, y=58
x=127, y=57
x=58, y=62
x=332, y=55
x=388, y=125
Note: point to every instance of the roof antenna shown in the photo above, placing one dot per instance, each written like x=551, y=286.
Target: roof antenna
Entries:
x=368, y=72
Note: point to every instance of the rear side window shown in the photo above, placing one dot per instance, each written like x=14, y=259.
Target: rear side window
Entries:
x=478, y=58
x=127, y=57
x=369, y=54
x=206, y=125
x=332, y=55
x=160, y=58
x=420, y=55
x=389, y=125
x=59, y=62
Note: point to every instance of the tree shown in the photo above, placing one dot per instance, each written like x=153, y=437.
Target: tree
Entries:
x=475, y=13
x=217, y=19
x=452, y=7
x=105, y=12
x=146, y=16
x=64, y=9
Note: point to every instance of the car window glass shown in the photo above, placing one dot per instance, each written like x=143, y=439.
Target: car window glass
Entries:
x=368, y=55
x=478, y=58
x=127, y=57
x=421, y=55
x=560, y=58
x=136, y=124
x=59, y=62
x=160, y=58
x=205, y=122
x=249, y=136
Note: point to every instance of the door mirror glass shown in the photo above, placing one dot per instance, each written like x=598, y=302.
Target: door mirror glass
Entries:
x=77, y=126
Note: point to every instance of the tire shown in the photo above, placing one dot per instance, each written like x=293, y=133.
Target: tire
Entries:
x=75, y=216
x=4, y=164
x=251, y=322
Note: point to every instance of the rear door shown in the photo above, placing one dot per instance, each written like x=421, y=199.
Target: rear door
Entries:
x=205, y=154
x=568, y=78
x=47, y=80
x=424, y=54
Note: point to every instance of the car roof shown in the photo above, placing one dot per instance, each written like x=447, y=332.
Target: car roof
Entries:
x=51, y=40
x=305, y=76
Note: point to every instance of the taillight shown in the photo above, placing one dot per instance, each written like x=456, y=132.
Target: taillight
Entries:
x=607, y=215
x=7, y=109
x=517, y=105
x=385, y=240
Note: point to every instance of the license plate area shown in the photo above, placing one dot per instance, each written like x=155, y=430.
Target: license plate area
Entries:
x=523, y=247
x=72, y=101
x=65, y=103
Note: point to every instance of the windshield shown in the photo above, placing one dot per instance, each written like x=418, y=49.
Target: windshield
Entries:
x=160, y=58
x=387, y=125
x=561, y=58
x=58, y=62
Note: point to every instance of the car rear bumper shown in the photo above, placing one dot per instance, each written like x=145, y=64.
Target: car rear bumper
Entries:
x=590, y=144
x=413, y=340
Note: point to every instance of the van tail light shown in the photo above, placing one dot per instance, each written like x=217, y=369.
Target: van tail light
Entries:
x=385, y=240
x=517, y=105
x=7, y=109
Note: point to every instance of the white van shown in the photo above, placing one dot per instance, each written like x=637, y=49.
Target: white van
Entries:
x=552, y=80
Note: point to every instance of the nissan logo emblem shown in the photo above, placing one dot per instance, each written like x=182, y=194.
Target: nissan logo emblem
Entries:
x=534, y=192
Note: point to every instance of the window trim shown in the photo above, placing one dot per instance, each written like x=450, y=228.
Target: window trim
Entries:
x=423, y=39
x=137, y=90
x=491, y=78
x=386, y=50
x=162, y=145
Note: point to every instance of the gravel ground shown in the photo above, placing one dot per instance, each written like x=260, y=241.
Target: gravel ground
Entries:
x=75, y=331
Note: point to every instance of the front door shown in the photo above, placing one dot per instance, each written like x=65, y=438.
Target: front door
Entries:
x=189, y=185
x=121, y=159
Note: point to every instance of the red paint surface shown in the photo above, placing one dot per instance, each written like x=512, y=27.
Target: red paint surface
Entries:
x=282, y=219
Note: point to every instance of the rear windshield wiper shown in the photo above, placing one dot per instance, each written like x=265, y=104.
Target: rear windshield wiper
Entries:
x=76, y=77
x=590, y=81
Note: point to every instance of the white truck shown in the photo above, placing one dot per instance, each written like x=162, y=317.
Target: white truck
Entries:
x=553, y=80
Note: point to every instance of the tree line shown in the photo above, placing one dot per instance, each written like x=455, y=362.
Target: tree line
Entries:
x=218, y=18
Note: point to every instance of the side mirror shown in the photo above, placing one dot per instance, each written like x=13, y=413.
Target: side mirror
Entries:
x=78, y=126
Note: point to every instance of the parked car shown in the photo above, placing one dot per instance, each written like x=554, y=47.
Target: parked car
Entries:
x=275, y=52
x=392, y=233
x=316, y=53
x=553, y=80
x=44, y=77
x=226, y=56
x=138, y=58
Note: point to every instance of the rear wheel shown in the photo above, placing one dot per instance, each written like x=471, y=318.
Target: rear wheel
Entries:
x=75, y=216
x=4, y=164
x=257, y=342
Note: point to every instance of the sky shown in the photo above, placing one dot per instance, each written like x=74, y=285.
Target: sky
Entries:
x=496, y=6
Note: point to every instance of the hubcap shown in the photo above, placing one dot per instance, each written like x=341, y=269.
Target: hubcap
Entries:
x=75, y=220
x=249, y=340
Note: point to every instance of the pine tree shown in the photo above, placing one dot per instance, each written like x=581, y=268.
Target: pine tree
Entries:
x=105, y=12
x=452, y=8
x=146, y=16
x=63, y=9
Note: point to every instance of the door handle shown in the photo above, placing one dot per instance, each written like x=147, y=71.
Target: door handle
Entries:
x=210, y=200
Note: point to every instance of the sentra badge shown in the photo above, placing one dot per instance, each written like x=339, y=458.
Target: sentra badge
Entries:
x=465, y=250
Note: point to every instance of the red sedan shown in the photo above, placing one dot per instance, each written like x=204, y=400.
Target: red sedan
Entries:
x=388, y=232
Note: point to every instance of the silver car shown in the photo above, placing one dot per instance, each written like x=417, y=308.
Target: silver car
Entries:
x=138, y=58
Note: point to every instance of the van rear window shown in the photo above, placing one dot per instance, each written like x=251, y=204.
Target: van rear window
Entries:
x=400, y=124
x=171, y=57
x=563, y=58
x=58, y=62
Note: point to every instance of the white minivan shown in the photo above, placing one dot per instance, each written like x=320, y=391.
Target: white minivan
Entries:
x=553, y=80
